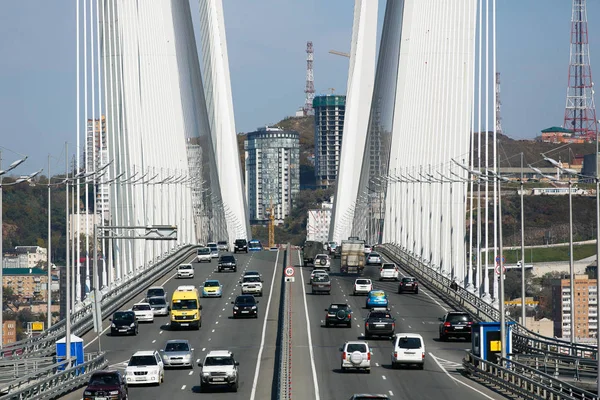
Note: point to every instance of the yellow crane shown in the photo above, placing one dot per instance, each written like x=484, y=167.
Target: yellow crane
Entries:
x=271, y=226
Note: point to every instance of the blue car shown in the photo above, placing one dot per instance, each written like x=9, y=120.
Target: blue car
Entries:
x=376, y=298
x=212, y=288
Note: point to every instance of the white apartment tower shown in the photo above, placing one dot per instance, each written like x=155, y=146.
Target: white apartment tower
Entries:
x=96, y=156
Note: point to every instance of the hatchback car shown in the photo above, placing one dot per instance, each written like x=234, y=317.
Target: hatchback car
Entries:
x=185, y=271
x=212, y=288
x=145, y=367
x=409, y=349
x=123, y=323
x=159, y=305
x=376, y=298
x=106, y=385
x=389, y=271
x=408, y=284
x=245, y=306
x=143, y=312
x=456, y=324
x=338, y=314
x=178, y=353
x=204, y=255
x=356, y=355
x=373, y=258
x=227, y=261
x=362, y=286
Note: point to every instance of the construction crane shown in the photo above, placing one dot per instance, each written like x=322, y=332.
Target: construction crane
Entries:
x=339, y=53
x=271, y=213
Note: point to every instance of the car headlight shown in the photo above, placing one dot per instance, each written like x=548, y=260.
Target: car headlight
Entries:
x=154, y=372
x=113, y=392
x=113, y=325
x=87, y=393
x=207, y=374
x=232, y=373
x=235, y=307
x=254, y=307
x=132, y=325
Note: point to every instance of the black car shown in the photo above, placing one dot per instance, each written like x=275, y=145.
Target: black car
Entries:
x=338, y=314
x=240, y=245
x=124, y=323
x=408, y=284
x=245, y=306
x=379, y=322
x=227, y=261
x=456, y=324
x=106, y=385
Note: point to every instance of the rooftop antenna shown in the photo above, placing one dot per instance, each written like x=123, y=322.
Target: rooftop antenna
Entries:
x=310, y=80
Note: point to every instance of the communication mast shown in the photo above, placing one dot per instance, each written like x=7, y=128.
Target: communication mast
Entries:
x=498, y=104
x=580, y=112
x=310, y=80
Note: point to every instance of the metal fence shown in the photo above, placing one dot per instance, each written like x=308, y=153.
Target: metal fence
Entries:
x=284, y=335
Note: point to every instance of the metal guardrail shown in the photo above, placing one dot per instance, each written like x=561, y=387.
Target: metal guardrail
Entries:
x=284, y=335
x=524, y=340
x=574, y=367
x=521, y=380
x=59, y=381
x=16, y=369
x=81, y=320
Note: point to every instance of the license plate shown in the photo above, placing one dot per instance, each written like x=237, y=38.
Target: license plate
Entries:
x=122, y=330
x=379, y=325
x=245, y=312
x=101, y=398
x=459, y=327
x=184, y=324
x=219, y=379
x=140, y=379
x=409, y=352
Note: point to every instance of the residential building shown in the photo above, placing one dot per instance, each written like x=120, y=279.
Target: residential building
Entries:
x=25, y=257
x=329, y=126
x=543, y=327
x=585, y=308
x=27, y=283
x=317, y=225
x=556, y=134
x=272, y=158
x=9, y=332
x=96, y=156
x=86, y=224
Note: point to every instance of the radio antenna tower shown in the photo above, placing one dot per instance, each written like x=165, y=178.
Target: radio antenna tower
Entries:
x=580, y=112
x=498, y=104
x=310, y=81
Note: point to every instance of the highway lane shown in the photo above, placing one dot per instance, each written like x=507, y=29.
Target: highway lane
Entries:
x=414, y=313
x=219, y=331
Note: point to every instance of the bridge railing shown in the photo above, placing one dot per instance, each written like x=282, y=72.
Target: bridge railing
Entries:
x=284, y=336
x=81, y=320
x=521, y=380
x=524, y=340
x=571, y=367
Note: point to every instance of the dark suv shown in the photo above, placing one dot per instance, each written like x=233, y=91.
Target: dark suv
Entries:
x=227, y=261
x=408, y=284
x=245, y=306
x=106, y=385
x=456, y=324
x=124, y=323
x=338, y=314
x=379, y=322
x=240, y=245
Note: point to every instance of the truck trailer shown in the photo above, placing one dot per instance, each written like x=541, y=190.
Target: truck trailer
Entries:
x=352, y=256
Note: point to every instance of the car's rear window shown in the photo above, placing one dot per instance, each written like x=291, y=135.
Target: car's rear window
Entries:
x=409, y=343
x=204, y=250
x=374, y=255
x=379, y=315
x=459, y=318
x=363, y=281
x=389, y=266
x=408, y=279
x=335, y=307
x=222, y=242
x=377, y=294
x=352, y=347
x=321, y=278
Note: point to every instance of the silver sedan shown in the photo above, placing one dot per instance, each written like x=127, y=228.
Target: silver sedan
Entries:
x=178, y=353
x=159, y=305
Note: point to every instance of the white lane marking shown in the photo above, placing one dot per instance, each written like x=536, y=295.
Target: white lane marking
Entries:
x=204, y=349
x=213, y=331
x=264, y=332
x=183, y=387
x=377, y=364
x=96, y=337
x=197, y=361
x=191, y=373
x=160, y=333
x=310, y=346
x=391, y=393
x=458, y=380
x=216, y=322
x=383, y=376
x=154, y=341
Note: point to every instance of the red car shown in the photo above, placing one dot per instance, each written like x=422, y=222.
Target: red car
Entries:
x=106, y=385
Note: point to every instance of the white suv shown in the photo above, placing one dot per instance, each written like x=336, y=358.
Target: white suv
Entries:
x=219, y=369
x=356, y=354
x=185, y=271
x=322, y=261
x=362, y=286
x=389, y=271
x=204, y=254
x=409, y=348
x=145, y=367
x=252, y=285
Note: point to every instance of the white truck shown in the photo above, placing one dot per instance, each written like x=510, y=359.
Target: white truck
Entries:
x=352, y=256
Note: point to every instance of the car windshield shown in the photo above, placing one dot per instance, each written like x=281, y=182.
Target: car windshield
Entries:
x=104, y=379
x=122, y=316
x=408, y=280
x=251, y=279
x=379, y=315
x=240, y=242
x=158, y=301
x=245, y=300
x=222, y=243
x=227, y=259
x=141, y=307
x=211, y=361
x=177, y=346
x=211, y=284
x=211, y=245
x=140, y=361
x=204, y=250
x=185, y=267
x=155, y=292
x=409, y=343
x=352, y=347
x=185, y=304
x=458, y=318
x=363, y=281
x=389, y=266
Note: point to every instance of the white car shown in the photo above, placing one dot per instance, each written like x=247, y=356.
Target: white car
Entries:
x=143, y=312
x=373, y=258
x=389, y=271
x=322, y=260
x=185, y=271
x=368, y=249
x=362, y=286
x=204, y=255
x=252, y=285
x=222, y=245
x=214, y=249
x=356, y=354
x=145, y=367
x=409, y=349
x=219, y=369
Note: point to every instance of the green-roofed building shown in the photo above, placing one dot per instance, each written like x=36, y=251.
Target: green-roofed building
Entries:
x=27, y=283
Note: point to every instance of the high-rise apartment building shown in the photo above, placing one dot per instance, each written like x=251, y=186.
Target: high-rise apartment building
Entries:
x=317, y=225
x=96, y=156
x=585, y=309
x=272, y=172
x=329, y=126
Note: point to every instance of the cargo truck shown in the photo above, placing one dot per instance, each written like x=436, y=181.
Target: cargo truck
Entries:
x=352, y=256
x=310, y=251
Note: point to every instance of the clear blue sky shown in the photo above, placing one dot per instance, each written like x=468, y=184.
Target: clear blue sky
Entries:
x=267, y=40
